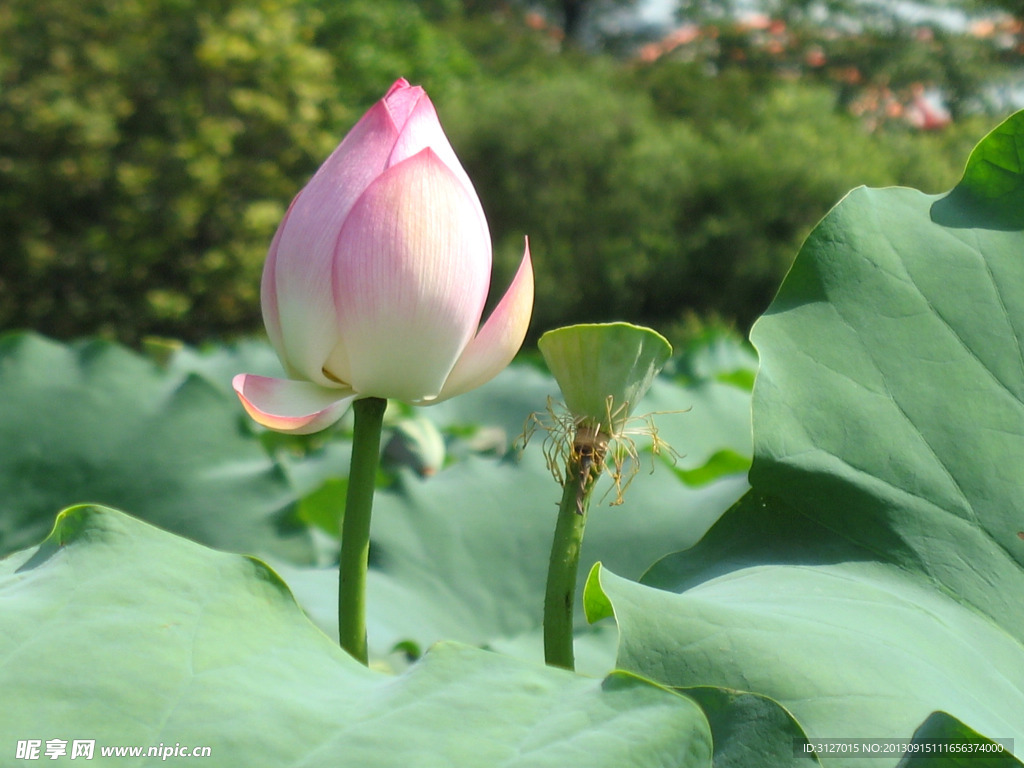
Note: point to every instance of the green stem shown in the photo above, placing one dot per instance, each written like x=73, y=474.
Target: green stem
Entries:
x=355, y=531
x=564, y=566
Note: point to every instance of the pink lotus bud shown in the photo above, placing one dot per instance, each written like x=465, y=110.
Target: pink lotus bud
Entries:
x=376, y=280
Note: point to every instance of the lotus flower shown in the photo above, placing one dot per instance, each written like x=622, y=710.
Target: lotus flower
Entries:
x=376, y=279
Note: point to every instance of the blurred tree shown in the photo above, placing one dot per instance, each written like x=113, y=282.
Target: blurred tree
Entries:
x=148, y=148
x=923, y=67
x=373, y=42
x=1013, y=7
x=145, y=154
x=638, y=212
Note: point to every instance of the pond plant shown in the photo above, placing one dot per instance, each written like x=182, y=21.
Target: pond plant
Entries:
x=827, y=567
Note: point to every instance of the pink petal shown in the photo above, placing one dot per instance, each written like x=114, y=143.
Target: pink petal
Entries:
x=410, y=280
x=294, y=407
x=268, y=295
x=421, y=129
x=301, y=319
x=362, y=155
x=401, y=99
x=500, y=338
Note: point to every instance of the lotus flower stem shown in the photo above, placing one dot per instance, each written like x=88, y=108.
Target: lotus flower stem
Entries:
x=355, y=533
x=582, y=469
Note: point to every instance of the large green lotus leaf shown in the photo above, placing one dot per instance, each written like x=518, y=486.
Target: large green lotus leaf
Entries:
x=316, y=465
x=469, y=547
x=716, y=355
x=944, y=742
x=852, y=649
x=890, y=401
x=405, y=618
x=888, y=405
x=116, y=631
x=417, y=594
x=707, y=422
x=94, y=422
x=748, y=729
x=463, y=555
x=220, y=363
x=874, y=573
x=461, y=527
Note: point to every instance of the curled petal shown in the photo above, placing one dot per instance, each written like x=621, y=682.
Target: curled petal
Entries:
x=500, y=338
x=294, y=407
x=411, y=275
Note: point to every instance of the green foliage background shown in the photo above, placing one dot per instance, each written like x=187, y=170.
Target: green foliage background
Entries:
x=148, y=149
